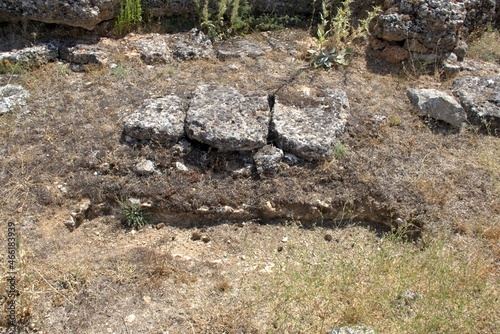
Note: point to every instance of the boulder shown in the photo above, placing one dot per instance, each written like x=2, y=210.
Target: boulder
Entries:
x=12, y=97
x=311, y=132
x=157, y=120
x=223, y=118
x=30, y=56
x=77, y=13
x=268, y=159
x=438, y=105
x=480, y=97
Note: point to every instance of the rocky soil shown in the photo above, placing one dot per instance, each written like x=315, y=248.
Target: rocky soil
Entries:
x=234, y=151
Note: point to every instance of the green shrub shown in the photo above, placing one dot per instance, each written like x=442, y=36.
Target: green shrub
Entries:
x=130, y=16
x=133, y=214
x=337, y=34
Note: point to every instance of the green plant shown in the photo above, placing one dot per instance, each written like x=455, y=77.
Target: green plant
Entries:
x=332, y=57
x=119, y=71
x=133, y=214
x=337, y=34
x=340, y=151
x=130, y=16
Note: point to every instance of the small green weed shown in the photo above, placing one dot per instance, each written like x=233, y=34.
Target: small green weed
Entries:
x=340, y=151
x=130, y=16
x=133, y=214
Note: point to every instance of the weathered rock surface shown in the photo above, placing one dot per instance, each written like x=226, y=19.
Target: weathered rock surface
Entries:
x=268, y=159
x=154, y=49
x=225, y=119
x=84, y=54
x=239, y=47
x=158, y=49
x=426, y=26
x=12, y=97
x=193, y=45
x=480, y=14
x=438, y=105
x=31, y=56
x=78, y=13
x=157, y=120
x=311, y=132
x=145, y=167
x=480, y=97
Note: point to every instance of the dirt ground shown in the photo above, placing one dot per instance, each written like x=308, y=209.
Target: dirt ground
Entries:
x=105, y=278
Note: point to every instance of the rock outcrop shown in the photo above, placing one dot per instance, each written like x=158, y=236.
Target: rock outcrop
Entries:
x=420, y=27
x=480, y=97
x=77, y=13
x=225, y=119
x=311, y=132
x=157, y=120
x=438, y=105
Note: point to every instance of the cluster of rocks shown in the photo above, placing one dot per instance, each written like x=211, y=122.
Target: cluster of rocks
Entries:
x=429, y=30
x=476, y=101
x=225, y=119
x=153, y=49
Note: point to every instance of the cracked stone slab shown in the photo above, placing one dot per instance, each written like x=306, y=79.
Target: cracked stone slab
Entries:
x=223, y=118
x=311, y=132
x=158, y=120
x=12, y=97
x=438, y=105
x=480, y=97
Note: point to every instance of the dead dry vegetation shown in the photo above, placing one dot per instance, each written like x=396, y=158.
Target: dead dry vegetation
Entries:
x=259, y=276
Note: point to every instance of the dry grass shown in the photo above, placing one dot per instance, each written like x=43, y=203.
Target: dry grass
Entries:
x=486, y=47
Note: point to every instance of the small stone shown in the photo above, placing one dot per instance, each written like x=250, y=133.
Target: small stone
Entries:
x=279, y=249
x=328, y=237
x=268, y=159
x=180, y=166
x=285, y=239
x=159, y=226
x=205, y=238
x=195, y=236
x=146, y=167
x=130, y=318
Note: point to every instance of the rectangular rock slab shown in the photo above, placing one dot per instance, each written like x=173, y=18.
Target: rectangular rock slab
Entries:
x=223, y=118
x=311, y=132
x=157, y=120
